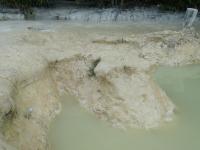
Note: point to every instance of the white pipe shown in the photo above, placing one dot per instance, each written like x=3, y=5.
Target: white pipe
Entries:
x=190, y=17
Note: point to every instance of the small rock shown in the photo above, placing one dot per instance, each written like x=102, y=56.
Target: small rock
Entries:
x=28, y=113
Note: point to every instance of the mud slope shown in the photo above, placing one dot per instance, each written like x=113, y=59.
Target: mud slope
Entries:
x=111, y=76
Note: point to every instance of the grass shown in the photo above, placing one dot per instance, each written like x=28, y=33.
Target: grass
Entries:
x=93, y=66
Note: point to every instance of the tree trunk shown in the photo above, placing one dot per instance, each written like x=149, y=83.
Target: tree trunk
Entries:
x=122, y=3
x=113, y=3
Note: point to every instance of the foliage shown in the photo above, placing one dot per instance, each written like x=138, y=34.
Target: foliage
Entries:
x=179, y=4
x=23, y=4
x=165, y=4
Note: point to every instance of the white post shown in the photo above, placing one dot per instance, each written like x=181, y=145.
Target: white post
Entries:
x=190, y=17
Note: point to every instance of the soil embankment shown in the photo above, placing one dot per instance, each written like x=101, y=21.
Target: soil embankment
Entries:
x=110, y=74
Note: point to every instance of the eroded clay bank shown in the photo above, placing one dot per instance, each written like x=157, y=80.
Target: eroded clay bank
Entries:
x=109, y=72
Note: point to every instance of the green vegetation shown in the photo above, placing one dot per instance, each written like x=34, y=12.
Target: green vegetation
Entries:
x=164, y=4
x=23, y=4
x=179, y=4
x=93, y=66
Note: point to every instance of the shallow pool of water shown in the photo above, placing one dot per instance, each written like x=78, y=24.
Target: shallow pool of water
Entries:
x=76, y=129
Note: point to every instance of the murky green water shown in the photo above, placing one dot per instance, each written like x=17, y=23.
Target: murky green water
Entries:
x=76, y=129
